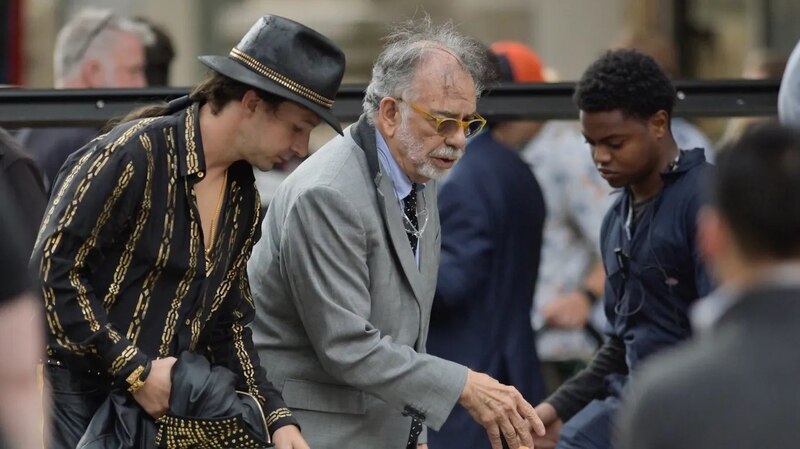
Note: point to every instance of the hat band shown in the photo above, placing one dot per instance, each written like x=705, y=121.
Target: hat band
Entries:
x=280, y=79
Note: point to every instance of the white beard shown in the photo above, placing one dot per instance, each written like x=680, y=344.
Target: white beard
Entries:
x=414, y=150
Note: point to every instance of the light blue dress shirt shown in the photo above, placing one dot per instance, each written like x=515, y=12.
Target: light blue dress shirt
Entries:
x=400, y=181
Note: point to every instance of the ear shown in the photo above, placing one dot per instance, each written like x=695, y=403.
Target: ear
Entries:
x=249, y=102
x=92, y=74
x=659, y=123
x=389, y=116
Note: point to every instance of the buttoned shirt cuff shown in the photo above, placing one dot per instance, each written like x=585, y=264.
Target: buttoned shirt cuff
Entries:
x=124, y=363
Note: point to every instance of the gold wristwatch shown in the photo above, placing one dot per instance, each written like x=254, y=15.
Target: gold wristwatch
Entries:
x=135, y=381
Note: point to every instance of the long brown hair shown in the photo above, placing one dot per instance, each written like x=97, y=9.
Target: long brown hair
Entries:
x=216, y=89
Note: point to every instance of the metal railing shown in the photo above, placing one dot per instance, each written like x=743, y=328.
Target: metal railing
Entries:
x=94, y=107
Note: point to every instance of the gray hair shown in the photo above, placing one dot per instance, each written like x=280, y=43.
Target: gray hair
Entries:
x=91, y=32
x=409, y=45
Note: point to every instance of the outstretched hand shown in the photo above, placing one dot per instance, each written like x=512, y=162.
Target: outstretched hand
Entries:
x=501, y=410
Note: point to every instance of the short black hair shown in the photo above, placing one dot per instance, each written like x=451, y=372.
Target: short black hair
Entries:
x=158, y=55
x=756, y=190
x=626, y=80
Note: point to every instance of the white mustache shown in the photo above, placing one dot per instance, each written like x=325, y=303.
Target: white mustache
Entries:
x=447, y=152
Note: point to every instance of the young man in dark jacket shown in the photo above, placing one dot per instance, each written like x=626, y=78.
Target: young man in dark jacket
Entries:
x=647, y=239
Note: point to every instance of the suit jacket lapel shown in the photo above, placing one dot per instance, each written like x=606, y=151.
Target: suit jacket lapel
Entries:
x=364, y=135
x=427, y=243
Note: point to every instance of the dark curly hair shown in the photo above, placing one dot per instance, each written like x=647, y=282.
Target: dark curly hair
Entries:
x=626, y=80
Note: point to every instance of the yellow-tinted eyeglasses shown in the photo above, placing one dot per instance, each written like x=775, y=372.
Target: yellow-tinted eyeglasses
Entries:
x=447, y=126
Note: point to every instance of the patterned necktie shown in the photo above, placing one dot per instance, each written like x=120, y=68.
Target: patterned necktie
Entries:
x=410, y=211
x=413, y=435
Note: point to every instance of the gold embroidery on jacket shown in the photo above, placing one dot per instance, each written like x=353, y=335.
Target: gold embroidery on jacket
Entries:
x=192, y=161
x=123, y=359
x=53, y=242
x=140, y=312
x=130, y=246
x=183, y=287
x=89, y=245
x=244, y=358
x=278, y=414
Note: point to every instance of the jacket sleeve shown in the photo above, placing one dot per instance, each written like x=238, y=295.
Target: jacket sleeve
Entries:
x=232, y=347
x=231, y=342
x=324, y=253
x=89, y=209
x=589, y=384
x=466, y=246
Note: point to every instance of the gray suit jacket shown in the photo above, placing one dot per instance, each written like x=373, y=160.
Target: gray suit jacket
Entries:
x=736, y=387
x=342, y=309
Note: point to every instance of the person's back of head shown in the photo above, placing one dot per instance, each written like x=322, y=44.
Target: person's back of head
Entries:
x=158, y=54
x=515, y=62
x=97, y=48
x=756, y=193
x=628, y=81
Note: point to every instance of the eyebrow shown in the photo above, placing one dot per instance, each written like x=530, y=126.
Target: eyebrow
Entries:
x=604, y=139
x=454, y=115
x=313, y=122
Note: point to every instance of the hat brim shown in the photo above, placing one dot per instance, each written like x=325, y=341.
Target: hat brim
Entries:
x=232, y=69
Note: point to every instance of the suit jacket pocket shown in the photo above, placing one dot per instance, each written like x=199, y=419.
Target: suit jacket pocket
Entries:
x=329, y=398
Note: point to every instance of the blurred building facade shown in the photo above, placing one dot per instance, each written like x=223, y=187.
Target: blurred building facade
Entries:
x=713, y=36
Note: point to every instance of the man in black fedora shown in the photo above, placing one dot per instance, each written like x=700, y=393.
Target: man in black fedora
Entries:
x=142, y=252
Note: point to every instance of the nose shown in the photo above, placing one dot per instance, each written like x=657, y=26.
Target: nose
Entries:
x=600, y=154
x=300, y=146
x=458, y=139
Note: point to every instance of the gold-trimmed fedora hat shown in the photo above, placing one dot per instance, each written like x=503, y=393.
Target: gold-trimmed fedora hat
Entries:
x=288, y=59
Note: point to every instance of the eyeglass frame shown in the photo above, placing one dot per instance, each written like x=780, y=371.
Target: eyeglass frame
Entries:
x=438, y=120
x=92, y=36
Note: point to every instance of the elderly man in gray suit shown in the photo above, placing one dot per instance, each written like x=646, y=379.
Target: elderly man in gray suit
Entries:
x=344, y=275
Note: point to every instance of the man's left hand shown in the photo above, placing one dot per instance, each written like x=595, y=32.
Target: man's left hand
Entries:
x=288, y=437
x=422, y=446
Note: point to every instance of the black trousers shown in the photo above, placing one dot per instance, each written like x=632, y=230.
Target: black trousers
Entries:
x=75, y=399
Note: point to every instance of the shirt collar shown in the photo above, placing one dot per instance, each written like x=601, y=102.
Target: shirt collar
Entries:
x=400, y=181
x=707, y=312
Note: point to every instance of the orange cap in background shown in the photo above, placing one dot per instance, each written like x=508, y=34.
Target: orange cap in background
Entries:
x=521, y=61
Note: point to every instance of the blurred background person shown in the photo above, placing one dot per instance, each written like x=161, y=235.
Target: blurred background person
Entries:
x=158, y=54
x=26, y=193
x=492, y=213
x=735, y=386
x=759, y=64
x=95, y=49
x=789, y=95
x=570, y=276
x=659, y=47
x=21, y=337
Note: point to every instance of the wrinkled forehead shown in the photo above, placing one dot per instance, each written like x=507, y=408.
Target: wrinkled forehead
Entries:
x=441, y=78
